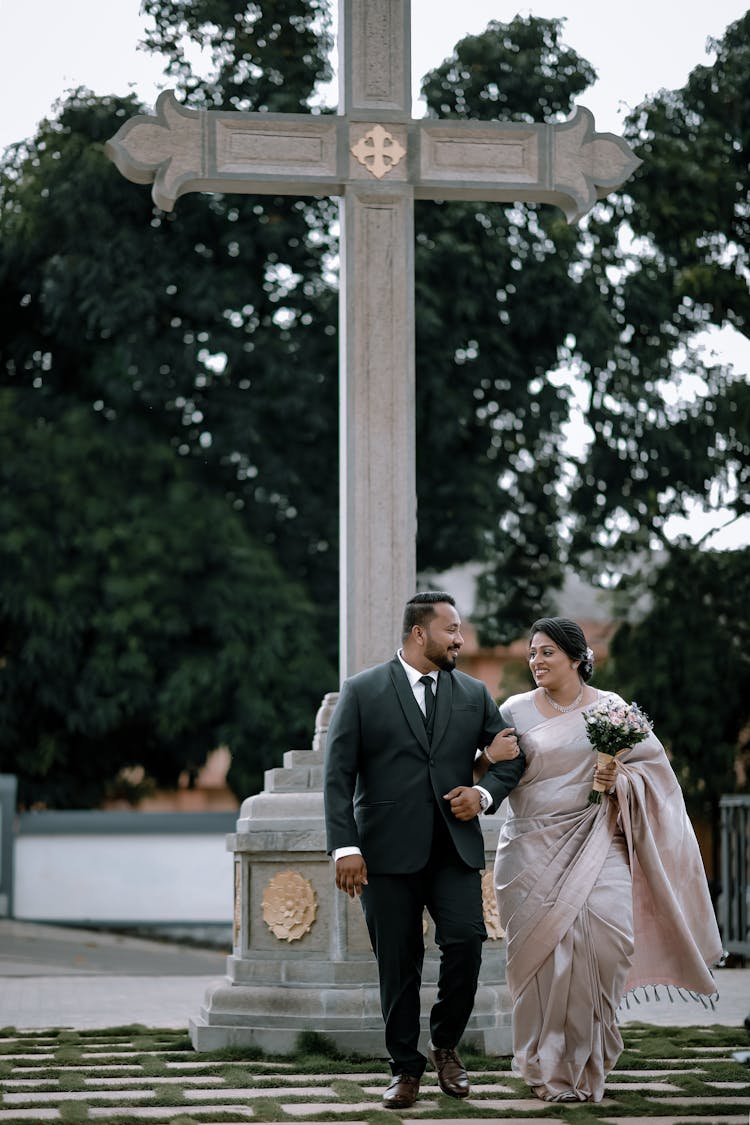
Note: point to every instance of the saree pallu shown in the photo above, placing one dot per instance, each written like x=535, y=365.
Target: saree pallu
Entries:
x=594, y=899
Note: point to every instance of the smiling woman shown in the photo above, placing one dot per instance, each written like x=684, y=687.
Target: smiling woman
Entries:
x=595, y=899
x=561, y=662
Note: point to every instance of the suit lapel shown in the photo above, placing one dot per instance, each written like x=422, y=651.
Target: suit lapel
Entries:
x=442, y=706
x=409, y=705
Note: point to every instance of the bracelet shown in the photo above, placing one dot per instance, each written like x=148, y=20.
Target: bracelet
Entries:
x=487, y=757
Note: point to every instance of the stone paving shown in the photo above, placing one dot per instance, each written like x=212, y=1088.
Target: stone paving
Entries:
x=74, y=1062
x=131, y=1075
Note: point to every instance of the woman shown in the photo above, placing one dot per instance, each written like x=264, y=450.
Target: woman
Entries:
x=595, y=899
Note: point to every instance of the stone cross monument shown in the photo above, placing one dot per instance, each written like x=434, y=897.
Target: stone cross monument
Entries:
x=377, y=159
x=301, y=957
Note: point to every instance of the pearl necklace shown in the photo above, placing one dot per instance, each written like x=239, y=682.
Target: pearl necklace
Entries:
x=559, y=706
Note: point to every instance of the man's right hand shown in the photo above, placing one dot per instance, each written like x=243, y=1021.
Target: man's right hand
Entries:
x=351, y=874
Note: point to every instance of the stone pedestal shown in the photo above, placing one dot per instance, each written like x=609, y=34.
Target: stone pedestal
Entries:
x=301, y=958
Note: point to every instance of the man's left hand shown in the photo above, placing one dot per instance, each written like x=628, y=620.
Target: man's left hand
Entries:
x=465, y=802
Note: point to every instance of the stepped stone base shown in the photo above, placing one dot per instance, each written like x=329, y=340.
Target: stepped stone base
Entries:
x=273, y=1018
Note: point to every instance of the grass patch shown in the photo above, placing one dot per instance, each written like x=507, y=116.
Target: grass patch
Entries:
x=69, y=1055
x=152, y=1066
x=71, y=1081
x=474, y=1060
x=74, y=1113
x=722, y=1071
x=223, y=1054
x=169, y=1095
x=312, y=1045
x=347, y=1090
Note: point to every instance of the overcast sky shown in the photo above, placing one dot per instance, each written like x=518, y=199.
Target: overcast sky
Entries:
x=50, y=46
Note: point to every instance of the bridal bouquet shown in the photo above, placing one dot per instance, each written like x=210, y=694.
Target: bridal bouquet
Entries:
x=613, y=726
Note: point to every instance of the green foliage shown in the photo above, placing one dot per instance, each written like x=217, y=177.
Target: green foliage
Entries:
x=519, y=71
x=159, y=357
x=312, y=1043
x=699, y=219
x=687, y=662
x=141, y=622
x=263, y=56
x=489, y=418
x=671, y=426
x=192, y=324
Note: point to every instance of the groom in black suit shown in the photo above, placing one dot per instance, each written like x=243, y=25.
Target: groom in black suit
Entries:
x=401, y=819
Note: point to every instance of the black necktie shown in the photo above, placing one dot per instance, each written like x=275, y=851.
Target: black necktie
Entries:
x=429, y=698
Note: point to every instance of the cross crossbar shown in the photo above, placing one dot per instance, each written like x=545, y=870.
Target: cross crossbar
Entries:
x=378, y=160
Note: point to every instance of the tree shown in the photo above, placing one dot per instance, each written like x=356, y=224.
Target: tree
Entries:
x=491, y=450
x=194, y=323
x=622, y=302
x=671, y=427
x=141, y=624
x=168, y=346
x=538, y=316
x=686, y=659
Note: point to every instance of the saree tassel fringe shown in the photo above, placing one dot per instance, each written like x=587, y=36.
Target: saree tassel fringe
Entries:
x=685, y=995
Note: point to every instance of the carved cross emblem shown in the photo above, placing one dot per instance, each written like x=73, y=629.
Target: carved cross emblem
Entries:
x=378, y=151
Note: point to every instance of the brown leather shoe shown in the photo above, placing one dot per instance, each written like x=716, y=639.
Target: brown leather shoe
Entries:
x=451, y=1073
x=402, y=1092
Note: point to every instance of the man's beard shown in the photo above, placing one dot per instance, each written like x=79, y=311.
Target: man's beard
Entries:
x=445, y=661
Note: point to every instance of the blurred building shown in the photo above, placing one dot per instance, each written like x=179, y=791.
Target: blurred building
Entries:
x=503, y=668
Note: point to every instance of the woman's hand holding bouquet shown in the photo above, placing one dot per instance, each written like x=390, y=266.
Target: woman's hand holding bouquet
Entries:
x=613, y=726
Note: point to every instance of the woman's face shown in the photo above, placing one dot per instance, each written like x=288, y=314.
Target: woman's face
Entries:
x=550, y=666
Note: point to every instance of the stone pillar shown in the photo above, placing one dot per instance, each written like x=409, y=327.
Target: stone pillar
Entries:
x=301, y=958
x=377, y=473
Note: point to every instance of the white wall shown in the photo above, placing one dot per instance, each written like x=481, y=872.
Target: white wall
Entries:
x=123, y=878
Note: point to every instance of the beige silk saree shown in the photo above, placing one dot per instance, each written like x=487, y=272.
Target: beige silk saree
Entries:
x=595, y=900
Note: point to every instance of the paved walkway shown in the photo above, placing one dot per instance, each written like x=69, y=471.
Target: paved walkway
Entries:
x=72, y=995
x=56, y=977
x=128, y=1076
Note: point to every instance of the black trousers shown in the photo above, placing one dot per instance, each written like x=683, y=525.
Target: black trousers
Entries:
x=394, y=906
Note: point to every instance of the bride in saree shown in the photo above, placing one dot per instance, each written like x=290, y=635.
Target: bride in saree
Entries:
x=595, y=899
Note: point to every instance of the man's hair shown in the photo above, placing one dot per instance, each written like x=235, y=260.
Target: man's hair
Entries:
x=421, y=608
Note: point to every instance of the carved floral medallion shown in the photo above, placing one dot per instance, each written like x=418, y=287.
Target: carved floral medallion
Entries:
x=289, y=906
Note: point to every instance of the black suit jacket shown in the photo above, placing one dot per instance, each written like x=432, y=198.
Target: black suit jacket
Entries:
x=384, y=781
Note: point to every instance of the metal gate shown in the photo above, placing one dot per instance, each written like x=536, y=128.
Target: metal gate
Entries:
x=734, y=917
x=7, y=832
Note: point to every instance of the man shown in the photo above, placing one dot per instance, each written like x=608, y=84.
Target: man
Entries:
x=401, y=819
